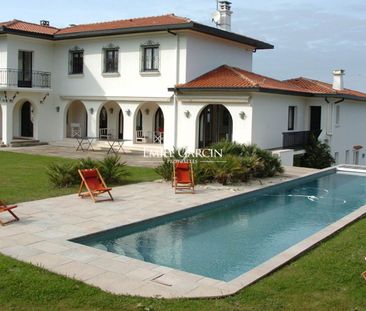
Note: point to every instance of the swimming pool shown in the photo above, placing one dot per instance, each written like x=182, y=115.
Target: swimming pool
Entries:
x=224, y=239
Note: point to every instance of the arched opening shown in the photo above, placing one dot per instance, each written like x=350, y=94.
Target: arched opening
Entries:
x=159, y=120
x=26, y=120
x=215, y=124
x=149, y=122
x=110, y=121
x=76, y=120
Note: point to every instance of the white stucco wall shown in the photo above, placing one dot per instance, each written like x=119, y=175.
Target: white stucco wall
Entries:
x=42, y=52
x=188, y=127
x=270, y=118
x=350, y=131
x=205, y=53
x=3, y=52
x=130, y=81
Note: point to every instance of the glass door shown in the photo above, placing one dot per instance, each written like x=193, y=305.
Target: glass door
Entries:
x=25, y=68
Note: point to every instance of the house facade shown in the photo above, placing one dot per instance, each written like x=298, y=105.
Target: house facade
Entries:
x=163, y=82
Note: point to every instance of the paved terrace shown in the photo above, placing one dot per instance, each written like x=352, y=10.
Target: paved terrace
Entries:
x=41, y=238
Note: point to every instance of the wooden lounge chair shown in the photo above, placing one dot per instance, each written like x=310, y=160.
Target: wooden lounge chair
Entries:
x=7, y=208
x=183, y=177
x=94, y=184
x=363, y=274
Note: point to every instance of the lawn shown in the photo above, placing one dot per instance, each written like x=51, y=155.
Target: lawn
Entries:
x=23, y=177
x=326, y=278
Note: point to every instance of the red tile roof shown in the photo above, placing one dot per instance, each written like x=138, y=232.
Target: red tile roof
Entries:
x=155, y=23
x=231, y=77
x=225, y=77
x=29, y=27
x=319, y=87
x=169, y=19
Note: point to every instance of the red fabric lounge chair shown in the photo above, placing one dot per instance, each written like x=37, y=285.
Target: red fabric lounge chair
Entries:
x=94, y=184
x=183, y=177
x=7, y=208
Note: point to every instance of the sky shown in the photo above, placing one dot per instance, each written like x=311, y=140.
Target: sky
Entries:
x=311, y=37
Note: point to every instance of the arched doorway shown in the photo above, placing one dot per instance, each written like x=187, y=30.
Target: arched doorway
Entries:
x=26, y=120
x=110, y=121
x=159, y=120
x=103, y=119
x=76, y=120
x=149, y=124
x=215, y=124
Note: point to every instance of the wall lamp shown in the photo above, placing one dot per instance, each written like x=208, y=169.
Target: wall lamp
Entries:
x=187, y=113
x=242, y=115
x=111, y=110
x=147, y=111
x=128, y=112
x=57, y=108
x=91, y=110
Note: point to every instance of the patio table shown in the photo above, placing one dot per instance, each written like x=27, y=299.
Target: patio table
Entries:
x=115, y=145
x=82, y=141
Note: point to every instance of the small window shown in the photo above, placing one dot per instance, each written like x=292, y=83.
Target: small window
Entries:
x=76, y=62
x=111, y=60
x=336, y=157
x=347, y=157
x=291, y=118
x=338, y=115
x=150, y=58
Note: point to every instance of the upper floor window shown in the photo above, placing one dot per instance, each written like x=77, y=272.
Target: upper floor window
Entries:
x=111, y=59
x=291, y=118
x=150, y=58
x=76, y=61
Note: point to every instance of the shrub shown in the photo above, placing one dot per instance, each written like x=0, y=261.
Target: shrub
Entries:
x=66, y=174
x=63, y=174
x=112, y=169
x=317, y=155
x=239, y=163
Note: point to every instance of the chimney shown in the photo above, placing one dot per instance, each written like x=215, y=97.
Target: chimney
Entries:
x=225, y=15
x=44, y=23
x=338, y=79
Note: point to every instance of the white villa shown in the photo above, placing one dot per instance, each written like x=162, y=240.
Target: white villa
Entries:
x=167, y=82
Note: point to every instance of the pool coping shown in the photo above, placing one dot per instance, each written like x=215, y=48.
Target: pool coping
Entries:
x=123, y=275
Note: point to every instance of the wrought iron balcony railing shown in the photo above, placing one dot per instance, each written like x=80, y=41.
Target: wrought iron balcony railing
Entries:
x=298, y=140
x=25, y=78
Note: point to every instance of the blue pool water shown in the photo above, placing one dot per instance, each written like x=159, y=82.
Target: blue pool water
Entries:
x=225, y=239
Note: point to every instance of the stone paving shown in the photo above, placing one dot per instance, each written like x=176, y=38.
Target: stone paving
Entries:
x=41, y=238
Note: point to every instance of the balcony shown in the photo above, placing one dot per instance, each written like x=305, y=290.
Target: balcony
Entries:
x=298, y=140
x=23, y=78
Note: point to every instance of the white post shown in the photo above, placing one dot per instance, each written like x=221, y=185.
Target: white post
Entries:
x=7, y=123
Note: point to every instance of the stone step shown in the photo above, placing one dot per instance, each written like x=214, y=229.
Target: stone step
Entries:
x=26, y=143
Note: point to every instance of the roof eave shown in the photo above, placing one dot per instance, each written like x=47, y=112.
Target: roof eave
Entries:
x=121, y=31
x=244, y=89
x=341, y=96
x=260, y=45
x=26, y=33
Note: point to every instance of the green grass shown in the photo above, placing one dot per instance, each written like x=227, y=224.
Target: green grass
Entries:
x=326, y=278
x=23, y=177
